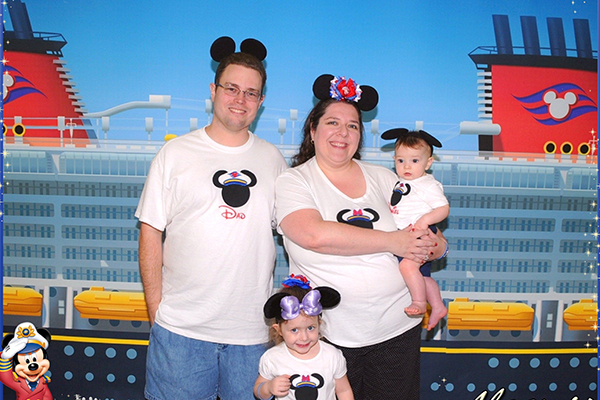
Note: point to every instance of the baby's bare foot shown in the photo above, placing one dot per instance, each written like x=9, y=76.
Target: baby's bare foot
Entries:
x=416, y=308
x=437, y=313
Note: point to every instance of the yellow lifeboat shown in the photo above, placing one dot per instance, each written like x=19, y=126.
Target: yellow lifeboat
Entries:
x=426, y=317
x=465, y=314
x=97, y=303
x=582, y=316
x=21, y=301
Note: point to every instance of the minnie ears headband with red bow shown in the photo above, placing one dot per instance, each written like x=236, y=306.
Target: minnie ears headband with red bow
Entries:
x=397, y=133
x=289, y=307
x=225, y=46
x=328, y=86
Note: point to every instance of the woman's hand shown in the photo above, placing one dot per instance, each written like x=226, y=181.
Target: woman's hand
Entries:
x=419, y=245
x=441, y=244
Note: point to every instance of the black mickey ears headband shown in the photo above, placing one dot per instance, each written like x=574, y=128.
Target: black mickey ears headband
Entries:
x=225, y=46
x=327, y=86
x=397, y=133
x=287, y=307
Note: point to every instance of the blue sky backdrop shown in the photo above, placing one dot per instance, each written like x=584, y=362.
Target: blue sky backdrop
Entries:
x=415, y=53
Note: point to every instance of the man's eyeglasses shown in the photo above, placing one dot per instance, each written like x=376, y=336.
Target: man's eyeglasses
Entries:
x=233, y=91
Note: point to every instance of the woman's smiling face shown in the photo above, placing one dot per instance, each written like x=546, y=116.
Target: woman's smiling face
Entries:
x=337, y=134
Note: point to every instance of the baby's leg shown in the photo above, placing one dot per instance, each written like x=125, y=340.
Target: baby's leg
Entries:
x=434, y=298
x=416, y=285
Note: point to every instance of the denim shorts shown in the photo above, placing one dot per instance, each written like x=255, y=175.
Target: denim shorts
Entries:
x=178, y=367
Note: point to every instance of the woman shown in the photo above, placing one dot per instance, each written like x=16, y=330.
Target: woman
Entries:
x=330, y=185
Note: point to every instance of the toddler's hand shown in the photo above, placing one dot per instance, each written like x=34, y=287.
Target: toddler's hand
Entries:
x=280, y=385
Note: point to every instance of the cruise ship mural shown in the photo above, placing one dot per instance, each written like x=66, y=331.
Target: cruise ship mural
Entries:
x=520, y=281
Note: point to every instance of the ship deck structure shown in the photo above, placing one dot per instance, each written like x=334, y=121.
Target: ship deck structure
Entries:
x=521, y=229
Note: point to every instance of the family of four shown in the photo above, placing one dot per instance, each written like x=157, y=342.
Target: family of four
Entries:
x=208, y=209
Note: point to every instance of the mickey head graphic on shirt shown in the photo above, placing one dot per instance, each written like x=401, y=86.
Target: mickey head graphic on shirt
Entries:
x=235, y=186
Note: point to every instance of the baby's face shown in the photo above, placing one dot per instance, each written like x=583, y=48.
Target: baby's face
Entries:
x=411, y=163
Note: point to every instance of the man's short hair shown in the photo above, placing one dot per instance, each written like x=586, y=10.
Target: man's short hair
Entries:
x=245, y=60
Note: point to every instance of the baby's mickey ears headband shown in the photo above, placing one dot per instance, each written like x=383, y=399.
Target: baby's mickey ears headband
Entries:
x=288, y=307
x=225, y=46
x=327, y=86
x=397, y=133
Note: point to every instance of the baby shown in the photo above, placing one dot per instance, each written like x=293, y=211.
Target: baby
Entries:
x=418, y=199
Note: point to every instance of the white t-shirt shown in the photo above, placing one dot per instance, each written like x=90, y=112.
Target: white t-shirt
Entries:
x=329, y=364
x=216, y=205
x=373, y=292
x=424, y=196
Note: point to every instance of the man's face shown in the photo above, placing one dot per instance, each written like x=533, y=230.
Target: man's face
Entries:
x=235, y=113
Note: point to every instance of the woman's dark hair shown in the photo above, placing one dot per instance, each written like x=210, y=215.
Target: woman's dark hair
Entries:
x=307, y=148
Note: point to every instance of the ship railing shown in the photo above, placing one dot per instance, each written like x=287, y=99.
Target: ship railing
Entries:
x=381, y=156
x=520, y=50
x=46, y=36
x=55, y=37
x=35, y=42
x=527, y=298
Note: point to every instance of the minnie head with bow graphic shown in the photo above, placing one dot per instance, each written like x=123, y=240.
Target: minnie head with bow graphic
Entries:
x=307, y=361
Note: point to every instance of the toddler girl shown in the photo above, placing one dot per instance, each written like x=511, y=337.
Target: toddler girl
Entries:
x=301, y=366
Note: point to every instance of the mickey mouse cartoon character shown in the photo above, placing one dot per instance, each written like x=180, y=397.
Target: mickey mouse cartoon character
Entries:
x=24, y=361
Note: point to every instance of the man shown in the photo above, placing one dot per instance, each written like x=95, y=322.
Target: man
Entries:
x=210, y=195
